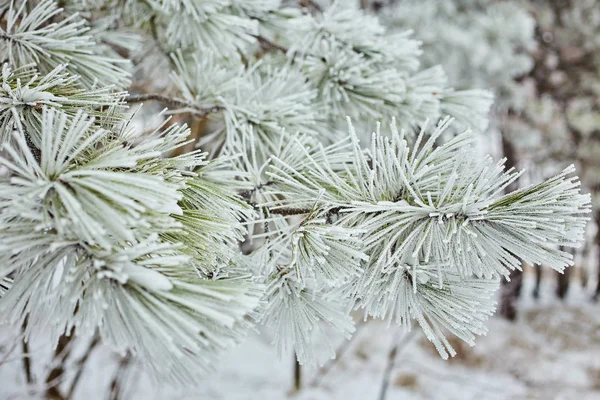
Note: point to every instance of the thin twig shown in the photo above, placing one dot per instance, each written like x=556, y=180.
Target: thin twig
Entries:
x=26, y=356
x=81, y=365
x=288, y=212
x=19, y=357
x=10, y=350
x=285, y=212
x=175, y=103
x=37, y=153
x=297, y=374
x=311, y=4
x=115, y=384
x=247, y=194
x=54, y=378
x=339, y=352
x=394, y=351
x=270, y=45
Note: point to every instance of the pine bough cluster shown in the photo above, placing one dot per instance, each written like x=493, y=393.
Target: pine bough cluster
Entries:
x=106, y=227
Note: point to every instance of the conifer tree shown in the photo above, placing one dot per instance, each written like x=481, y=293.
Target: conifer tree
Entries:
x=121, y=222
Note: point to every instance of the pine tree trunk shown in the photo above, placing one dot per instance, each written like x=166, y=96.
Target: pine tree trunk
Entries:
x=510, y=290
x=509, y=295
x=297, y=374
x=597, y=240
x=562, y=282
x=597, y=291
x=538, y=281
x=584, y=273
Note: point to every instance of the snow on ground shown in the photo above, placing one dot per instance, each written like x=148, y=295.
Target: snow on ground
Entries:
x=551, y=352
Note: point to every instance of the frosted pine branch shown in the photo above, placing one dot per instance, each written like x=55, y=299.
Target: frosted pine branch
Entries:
x=109, y=225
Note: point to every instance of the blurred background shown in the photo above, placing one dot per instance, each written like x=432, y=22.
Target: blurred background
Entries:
x=542, y=61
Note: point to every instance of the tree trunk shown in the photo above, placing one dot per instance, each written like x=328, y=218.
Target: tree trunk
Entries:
x=597, y=291
x=562, y=281
x=509, y=295
x=510, y=290
x=538, y=281
x=297, y=374
x=597, y=240
x=584, y=273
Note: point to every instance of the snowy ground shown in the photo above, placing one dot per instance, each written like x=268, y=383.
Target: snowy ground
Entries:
x=552, y=352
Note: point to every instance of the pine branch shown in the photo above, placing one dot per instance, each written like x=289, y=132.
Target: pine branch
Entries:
x=284, y=211
x=247, y=194
x=405, y=229
x=288, y=212
x=312, y=5
x=176, y=103
x=270, y=45
x=396, y=349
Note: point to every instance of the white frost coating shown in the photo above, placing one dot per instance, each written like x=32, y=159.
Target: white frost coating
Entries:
x=293, y=222
x=434, y=222
x=147, y=278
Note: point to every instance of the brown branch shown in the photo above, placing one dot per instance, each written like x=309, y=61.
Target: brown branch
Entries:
x=311, y=4
x=35, y=151
x=391, y=360
x=81, y=364
x=288, y=212
x=339, y=352
x=269, y=45
x=175, y=103
x=247, y=196
x=115, y=384
x=54, y=378
x=26, y=356
x=297, y=374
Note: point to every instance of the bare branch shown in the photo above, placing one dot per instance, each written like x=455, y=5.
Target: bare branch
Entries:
x=81, y=365
x=287, y=212
x=54, y=378
x=116, y=383
x=399, y=345
x=313, y=5
x=175, y=103
x=340, y=351
x=269, y=45
x=26, y=355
